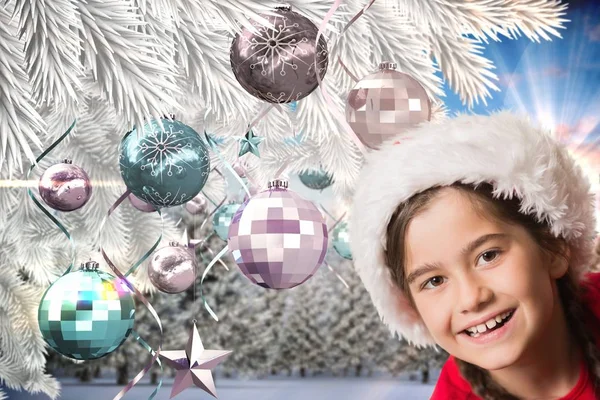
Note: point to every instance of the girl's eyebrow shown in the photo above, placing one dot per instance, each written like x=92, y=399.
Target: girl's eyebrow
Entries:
x=469, y=248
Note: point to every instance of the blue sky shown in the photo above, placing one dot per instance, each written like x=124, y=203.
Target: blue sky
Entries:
x=557, y=82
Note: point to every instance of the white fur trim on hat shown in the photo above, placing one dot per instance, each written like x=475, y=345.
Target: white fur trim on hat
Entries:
x=502, y=149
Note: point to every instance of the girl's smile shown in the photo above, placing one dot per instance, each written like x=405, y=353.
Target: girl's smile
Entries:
x=492, y=330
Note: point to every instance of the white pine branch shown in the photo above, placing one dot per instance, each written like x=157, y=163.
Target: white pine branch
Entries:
x=51, y=51
x=21, y=337
x=138, y=86
x=397, y=39
x=20, y=123
x=203, y=55
x=469, y=74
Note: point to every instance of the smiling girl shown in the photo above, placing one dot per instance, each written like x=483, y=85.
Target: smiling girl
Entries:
x=476, y=235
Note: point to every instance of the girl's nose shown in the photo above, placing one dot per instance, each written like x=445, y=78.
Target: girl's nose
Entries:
x=474, y=294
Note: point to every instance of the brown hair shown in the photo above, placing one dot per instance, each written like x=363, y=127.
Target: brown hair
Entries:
x=506, y=210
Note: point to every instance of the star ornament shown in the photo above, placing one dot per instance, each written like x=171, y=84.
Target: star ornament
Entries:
x=194, y=365
x=249, y=144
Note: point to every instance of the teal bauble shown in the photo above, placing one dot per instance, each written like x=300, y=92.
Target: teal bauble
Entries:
x=222, y=219
x=86, y=314
x=166, y=167
x=341, y=241
x=317, y=180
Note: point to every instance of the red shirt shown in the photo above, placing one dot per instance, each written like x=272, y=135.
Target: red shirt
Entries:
x=451, y=385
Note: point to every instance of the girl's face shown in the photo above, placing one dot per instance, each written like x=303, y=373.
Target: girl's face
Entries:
x=460, y=281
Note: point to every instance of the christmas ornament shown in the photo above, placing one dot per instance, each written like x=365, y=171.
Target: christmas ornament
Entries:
x=277, y=238
x=317, y=180
x=222, y=219
x=86, y=314
x=172, y=268
x=196, y=205
x=194, y=365
x=164, y=168
x=250, y=144
x=140, y=204
x=278, y=65
x=341, y=240
x=384, y=104
x=65, y=187
x=240, y=168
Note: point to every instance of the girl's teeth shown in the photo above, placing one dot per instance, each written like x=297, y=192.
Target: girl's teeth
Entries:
x=491, y=323
x=481, y=328
x=498, y=319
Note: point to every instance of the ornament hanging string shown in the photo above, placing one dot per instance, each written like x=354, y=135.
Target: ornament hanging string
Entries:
x=41, y=207
x=141, y=298
x=331, y=105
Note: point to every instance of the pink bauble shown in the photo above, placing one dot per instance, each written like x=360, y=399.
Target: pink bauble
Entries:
x=140, y=204
x=384, y=104
x=240, y=168
x=171, y=269
x=196, y=205
x=65, y=187
x=277, y=238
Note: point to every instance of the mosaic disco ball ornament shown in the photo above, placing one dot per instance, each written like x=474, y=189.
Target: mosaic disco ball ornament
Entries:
x=277, y=64
x=65, y=186
x=277, y=238
x=341, y=240
x=222, y=219
x=317, y=180
x=86, y=314
x=166, y=167
x=384, y=104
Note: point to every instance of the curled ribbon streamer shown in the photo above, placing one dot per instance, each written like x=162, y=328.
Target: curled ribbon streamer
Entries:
x=337, y=275
x=212, y=253
x=146, y=346
x=227, y=165
x=352, y=21
x=140, y=297
x=350, y=74
x=328, y=100
x=208, y=268
x=41, y=207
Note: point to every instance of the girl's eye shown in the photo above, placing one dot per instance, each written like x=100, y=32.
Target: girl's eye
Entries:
x=434, y=281
x=491, y=255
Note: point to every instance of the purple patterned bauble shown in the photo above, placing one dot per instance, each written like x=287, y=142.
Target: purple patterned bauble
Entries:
x=172, y=268
x=384, y=104
x=140, y=204
x=278, y=65
x=277, y=238
x=65, y=187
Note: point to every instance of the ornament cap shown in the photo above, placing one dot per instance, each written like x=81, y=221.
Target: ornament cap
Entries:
x=388, y=65
x=174, y=244
x=67, y=161
x=90, y=266
x=284, y=8
x=278, y=184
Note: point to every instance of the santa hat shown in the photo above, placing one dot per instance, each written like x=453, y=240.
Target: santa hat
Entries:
x=503, y=149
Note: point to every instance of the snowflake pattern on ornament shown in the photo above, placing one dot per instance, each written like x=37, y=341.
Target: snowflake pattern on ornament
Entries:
x=283, y=56
x=174, y=161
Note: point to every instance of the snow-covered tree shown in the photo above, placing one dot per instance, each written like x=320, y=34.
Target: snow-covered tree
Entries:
x=110, y=64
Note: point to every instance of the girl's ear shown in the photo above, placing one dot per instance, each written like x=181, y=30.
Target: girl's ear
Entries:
x=559, y=266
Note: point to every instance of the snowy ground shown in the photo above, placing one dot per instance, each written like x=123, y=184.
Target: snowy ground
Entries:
x=271, y=389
